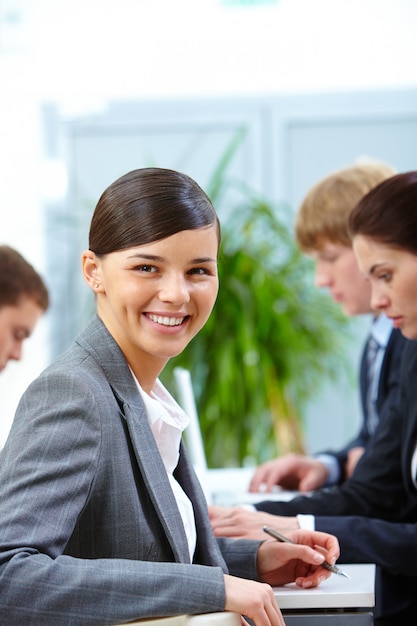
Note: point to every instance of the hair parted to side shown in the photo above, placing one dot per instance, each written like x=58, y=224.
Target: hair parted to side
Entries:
x=324, y=213
x=19, y=279
x=388, y=213
x=147, y=205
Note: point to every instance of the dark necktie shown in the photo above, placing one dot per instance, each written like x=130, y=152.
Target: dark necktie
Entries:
x=372, y=417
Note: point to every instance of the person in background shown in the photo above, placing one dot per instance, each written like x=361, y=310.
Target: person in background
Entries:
x=374, y=513
x=102, y=519
x=322, y=233
x=23, y=300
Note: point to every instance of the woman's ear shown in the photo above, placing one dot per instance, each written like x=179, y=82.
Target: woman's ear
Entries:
x=91, y=270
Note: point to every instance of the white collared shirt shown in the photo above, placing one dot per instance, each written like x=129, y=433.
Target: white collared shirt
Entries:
x=167, y=421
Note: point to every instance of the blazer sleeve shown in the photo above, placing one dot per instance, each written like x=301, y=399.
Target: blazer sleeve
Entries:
x=240, y=556
x=391, y=545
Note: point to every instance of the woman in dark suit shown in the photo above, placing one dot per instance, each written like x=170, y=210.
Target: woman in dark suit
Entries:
x=374, y=513
x=102, y=519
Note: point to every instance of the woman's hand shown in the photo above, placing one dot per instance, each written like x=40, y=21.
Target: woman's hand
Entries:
x=237, y=522
x=252, y=599
x=281, y=563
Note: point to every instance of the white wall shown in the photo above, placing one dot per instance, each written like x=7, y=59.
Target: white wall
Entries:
x=164, y=48
x=85, y=52
x=22, y=228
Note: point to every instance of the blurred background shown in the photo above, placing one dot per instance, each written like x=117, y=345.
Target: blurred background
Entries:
x=288, y=90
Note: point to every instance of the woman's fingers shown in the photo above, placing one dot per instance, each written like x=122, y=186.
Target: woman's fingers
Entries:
x=255, y=600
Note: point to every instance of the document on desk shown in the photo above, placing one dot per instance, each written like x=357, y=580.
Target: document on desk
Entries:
x=335, y=592
x=229, y=487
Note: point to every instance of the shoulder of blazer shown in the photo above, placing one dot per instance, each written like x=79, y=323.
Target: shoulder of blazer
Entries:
x=409, y=362
x=391, y=364
x=96, y=340
x=397, y=341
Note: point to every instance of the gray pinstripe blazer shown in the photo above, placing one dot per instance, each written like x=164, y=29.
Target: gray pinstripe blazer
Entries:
x=90, y=532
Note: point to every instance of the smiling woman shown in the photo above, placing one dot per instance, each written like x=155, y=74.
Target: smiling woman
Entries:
x=112, y=504
x=155, y=298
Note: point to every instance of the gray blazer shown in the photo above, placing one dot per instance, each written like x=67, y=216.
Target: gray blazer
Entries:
x=90, y=532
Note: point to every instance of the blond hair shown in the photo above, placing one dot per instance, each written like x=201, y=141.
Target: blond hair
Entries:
x=324, y=213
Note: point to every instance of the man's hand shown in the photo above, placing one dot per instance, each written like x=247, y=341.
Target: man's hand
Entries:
x=290, y=471
x=353, y=457
x=239, y=523
x=280, y=563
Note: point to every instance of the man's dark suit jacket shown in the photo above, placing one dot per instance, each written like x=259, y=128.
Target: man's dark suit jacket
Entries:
x=387, y=388
x=374, y=513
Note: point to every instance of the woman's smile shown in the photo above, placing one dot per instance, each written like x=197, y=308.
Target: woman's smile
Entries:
x=167, y=321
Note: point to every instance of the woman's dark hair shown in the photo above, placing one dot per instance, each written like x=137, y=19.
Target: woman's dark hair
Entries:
x=388, y=213
x=147, y=205
x=19, y=279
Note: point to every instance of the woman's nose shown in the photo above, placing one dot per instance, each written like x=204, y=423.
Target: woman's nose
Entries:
x=175, y=289
x=379, y=300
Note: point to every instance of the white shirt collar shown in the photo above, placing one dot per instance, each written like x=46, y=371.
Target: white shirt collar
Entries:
x=381, y=329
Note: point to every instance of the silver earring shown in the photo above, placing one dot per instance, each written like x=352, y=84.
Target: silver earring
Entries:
x=96, y=286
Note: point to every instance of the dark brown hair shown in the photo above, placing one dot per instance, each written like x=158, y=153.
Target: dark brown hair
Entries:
x=19, y=279
x=388, y=213
x=147, y=205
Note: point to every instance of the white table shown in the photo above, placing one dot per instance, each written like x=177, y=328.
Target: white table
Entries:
x=335, y=602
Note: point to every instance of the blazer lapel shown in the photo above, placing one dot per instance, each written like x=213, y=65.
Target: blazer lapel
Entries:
x=156, y=480
x=98, y=341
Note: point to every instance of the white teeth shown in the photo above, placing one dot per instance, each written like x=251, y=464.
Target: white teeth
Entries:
x=166, y=321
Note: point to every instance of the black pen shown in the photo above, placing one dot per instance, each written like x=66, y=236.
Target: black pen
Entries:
x=279, y=537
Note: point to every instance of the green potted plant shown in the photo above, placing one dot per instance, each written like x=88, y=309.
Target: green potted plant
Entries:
x=270, y=341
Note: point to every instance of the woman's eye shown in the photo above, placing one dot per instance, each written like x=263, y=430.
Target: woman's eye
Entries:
x=146, y=268
x=199, y=271
x=386, y=276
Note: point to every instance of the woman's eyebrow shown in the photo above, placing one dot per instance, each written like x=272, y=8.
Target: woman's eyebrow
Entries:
x=205, y=259
x=148, y=257
x=154, y=257
x=374, y=268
